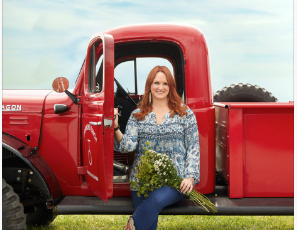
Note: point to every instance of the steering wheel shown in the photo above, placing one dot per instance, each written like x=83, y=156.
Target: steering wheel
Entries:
x=122, y=93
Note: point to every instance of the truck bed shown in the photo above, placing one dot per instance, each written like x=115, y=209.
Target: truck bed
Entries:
x=255, y=148
x=72, y=205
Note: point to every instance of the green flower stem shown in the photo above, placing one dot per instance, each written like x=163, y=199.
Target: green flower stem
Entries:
x=201, y=201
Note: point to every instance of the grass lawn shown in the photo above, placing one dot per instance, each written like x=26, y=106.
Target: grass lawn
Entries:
x=172, y=222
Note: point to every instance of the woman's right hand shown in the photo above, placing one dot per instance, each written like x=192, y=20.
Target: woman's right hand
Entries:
x=116, y=120
x=117, y=134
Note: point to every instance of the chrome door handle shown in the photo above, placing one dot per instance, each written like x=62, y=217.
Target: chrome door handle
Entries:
x=95, y=123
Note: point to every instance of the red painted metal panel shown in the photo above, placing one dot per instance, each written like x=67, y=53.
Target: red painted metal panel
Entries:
x=30, y=100
x=18, y=105
x=235, y=189
x=108, y=111
x=97, y=108
x=260, y=105
x=27, y=130
x=93, y=153
x=268, y=155
x=18, y=117
x=206, y=127
x=59, y=140
x=121, y=189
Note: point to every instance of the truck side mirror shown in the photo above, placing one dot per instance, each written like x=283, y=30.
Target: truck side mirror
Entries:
x=60, y=85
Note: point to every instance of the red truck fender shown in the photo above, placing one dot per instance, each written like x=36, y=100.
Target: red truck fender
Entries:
x=50, y=188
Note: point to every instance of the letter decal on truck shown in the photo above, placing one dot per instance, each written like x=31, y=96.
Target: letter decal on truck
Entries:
x=90, y=128
x=11, y=107
x=89, y=153
x=92, y=175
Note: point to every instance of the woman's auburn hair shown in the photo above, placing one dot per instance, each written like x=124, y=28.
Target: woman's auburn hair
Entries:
x=175, y=103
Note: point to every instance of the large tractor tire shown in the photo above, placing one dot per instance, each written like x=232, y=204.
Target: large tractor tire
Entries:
x=13, y=216
x=244, y=92
x=41, y=216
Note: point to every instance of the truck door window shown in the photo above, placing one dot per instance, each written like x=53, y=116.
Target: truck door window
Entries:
x=96, y=68
x=124, y=73
x=99, y=74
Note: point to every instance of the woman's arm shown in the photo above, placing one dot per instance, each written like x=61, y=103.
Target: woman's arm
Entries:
x=192, y=164
x=128, y=141
x=118, y=136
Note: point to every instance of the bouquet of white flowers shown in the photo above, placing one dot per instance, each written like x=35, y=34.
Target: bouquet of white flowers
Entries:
x=156, y=170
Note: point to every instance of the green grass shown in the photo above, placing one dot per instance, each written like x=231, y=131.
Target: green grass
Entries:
x=116, y=222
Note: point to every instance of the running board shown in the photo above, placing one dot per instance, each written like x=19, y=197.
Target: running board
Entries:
x=72, y=205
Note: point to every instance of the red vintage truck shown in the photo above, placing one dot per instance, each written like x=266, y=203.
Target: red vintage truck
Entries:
x=57, y=148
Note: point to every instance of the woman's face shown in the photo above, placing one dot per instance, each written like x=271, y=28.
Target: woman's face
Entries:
x=160, y=87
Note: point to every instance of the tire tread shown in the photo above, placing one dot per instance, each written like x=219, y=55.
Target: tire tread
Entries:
x=244, y=92
x=13, y=216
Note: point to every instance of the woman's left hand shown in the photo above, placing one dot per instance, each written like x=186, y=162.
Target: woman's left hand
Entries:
x=186, y=185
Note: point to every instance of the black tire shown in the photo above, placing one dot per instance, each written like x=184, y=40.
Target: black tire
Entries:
x=244, y=92
x=41, y=216
x=13, y=216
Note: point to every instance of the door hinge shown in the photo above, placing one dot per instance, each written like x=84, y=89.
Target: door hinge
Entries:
x=82, y=170
x=107, y=122
x=78, y=99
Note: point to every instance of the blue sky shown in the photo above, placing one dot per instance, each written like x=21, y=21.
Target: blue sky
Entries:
x=249, y=41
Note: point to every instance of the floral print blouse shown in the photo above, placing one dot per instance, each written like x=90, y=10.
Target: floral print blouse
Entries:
x=177, y=137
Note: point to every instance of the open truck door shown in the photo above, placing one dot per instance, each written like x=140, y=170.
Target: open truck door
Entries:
x=98, y=116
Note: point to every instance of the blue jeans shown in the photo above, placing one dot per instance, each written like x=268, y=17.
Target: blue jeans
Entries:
x=147, y=209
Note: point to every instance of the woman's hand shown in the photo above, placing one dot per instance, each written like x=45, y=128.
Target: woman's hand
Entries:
x=116, y=120
x=186, y=185
x=117, y=134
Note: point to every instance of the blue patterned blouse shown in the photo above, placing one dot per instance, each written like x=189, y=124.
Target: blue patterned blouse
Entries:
x=176, y=136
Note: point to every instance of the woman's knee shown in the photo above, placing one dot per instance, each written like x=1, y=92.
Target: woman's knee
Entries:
x=163, y=197
x=156, y=201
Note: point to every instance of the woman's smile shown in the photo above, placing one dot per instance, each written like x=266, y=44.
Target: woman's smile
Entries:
x=160, y=88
